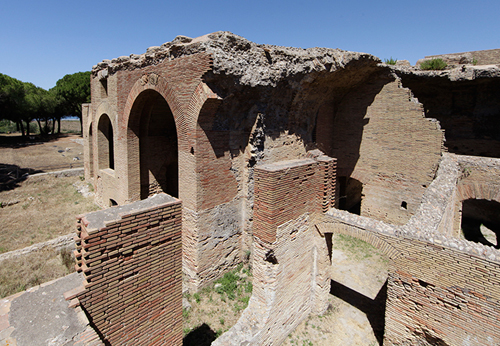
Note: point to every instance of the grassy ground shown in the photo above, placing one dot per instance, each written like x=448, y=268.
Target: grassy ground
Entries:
x=41, y=208
x=38, y=208
x=217, y=308
x=30, y=270
x=18, y=156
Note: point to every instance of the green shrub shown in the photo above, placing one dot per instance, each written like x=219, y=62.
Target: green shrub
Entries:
x=7, y=126
x=391, y=61
x=433, y=64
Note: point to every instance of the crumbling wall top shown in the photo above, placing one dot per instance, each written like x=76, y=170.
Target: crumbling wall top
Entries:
x=254, y=64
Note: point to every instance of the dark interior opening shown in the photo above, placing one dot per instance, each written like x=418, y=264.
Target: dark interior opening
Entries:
x=481, y=221
x=350, y=194
x=155, y=127
x=105, y=143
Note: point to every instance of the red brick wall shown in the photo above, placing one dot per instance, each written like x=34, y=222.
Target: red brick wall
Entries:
x=131, y=259
x=437, y=293
x=287, y=189
x=178, y=82
x=381, y=137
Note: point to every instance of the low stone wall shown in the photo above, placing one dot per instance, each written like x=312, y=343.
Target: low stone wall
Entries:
x=481, y=57
x=59, y=243
x=441, y=290
x=131, y=258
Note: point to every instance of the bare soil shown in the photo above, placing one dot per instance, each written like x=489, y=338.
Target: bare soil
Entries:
x=357, y=299
x=38, y=208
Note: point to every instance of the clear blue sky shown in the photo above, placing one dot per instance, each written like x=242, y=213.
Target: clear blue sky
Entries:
x=41, y=41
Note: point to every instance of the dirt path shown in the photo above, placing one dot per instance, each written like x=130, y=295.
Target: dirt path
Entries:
x=358, y=294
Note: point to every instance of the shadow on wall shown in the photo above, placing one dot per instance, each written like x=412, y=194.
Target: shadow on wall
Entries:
x=373, y=308
x=468, y=111
x=153, y=136
x=348, y=123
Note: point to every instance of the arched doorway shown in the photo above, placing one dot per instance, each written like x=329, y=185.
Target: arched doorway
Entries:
x=105, y=143
x=91, y=150
x=152, y=147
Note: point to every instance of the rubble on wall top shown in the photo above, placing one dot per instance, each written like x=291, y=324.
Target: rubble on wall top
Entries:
x=255, y=64
x=460, y=73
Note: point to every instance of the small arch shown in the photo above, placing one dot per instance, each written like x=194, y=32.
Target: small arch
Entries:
x=105, y=143
x=91, y=149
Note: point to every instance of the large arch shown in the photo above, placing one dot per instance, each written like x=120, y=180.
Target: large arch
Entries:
x=152, y=143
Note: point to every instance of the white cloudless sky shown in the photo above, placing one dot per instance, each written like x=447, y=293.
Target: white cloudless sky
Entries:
x=41, y=41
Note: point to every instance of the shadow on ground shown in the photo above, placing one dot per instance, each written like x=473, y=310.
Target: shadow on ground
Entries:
x=19, y=141
x=373, y=308
x=201, y=336
x=12, y=175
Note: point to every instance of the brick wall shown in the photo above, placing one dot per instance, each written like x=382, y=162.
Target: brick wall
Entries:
x=287, y=189
x=436, y=293
x=290, y=258
x=441, y=289
x=131, y=260
x=381, y=138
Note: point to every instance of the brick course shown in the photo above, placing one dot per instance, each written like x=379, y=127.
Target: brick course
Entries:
x=131, y=260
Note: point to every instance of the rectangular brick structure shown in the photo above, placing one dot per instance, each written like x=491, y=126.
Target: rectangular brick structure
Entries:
x=131, y=258
x=287, y=189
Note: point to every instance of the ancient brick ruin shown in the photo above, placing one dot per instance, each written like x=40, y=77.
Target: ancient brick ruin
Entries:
x=273, y=150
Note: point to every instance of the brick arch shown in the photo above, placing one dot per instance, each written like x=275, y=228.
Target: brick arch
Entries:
x=104, y=108
x=164, y=89
x=105, y=144
x=478, y=191
x=370, y=237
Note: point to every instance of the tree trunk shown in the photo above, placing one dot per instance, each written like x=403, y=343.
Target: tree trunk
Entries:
x=40, y=126
x=28, y=127
x=59, y=125
x=20, y=124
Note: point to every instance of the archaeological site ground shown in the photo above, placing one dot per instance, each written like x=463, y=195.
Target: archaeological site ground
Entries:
x=209, y=152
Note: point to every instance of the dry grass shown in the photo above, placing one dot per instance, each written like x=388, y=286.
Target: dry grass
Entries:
x=33, y=269
x=45, y=209
x=38, y=209
x=70, y=126
x=52, y=155
x=214, y=310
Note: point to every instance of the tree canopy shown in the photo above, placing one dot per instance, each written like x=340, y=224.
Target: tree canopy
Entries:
x=23, y=102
